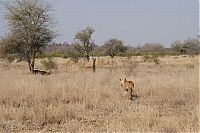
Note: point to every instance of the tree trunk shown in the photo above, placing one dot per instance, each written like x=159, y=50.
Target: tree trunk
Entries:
x=33, y=61
x=112, y=55
x=94, y=64
x=33, y=64
x=29, y=65
x=88, y=57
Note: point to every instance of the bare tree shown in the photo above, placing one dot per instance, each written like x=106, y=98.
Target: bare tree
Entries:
x=30, y=29
x=189, y=46
x=84, y=43
x=177, y=47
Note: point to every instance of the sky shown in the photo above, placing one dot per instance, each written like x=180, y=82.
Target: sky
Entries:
x=134, y=21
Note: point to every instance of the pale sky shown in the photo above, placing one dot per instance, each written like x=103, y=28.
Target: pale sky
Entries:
x=133, y=21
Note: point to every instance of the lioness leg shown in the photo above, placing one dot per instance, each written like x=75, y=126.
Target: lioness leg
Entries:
x=131, y=93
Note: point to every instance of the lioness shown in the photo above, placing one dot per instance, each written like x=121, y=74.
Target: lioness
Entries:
x=127, y=86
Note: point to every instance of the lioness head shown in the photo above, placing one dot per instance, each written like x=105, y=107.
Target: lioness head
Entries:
x=122, y=82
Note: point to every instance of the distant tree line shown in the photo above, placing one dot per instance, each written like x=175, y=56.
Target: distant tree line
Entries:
x=189, y=46
x=115, y=47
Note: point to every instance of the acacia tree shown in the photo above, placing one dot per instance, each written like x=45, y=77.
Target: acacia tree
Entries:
x=177, y=47
x=30, y=30
x=84, y=43
x=113, y=47
x=189, y=46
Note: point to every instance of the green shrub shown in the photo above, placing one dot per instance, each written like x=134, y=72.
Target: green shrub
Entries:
x=10, y=58
x=146, y=58
x=74, y=56
x=49, y=64
x=151, y=58
x=137, y=54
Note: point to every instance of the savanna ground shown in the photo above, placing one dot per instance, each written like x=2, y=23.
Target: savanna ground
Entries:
x=74, y=99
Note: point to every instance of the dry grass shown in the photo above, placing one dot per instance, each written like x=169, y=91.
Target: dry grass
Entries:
x=75, y=99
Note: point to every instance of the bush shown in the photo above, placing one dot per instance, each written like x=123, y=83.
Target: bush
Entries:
x=146, y=58
x=49, y=64
x=137, y=54
x=56, y=54
x=114, y=47
x=74, y=56
x=10, y=58
x=151, y=58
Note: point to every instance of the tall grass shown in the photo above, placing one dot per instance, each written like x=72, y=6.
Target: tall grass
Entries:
x=83, y=101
